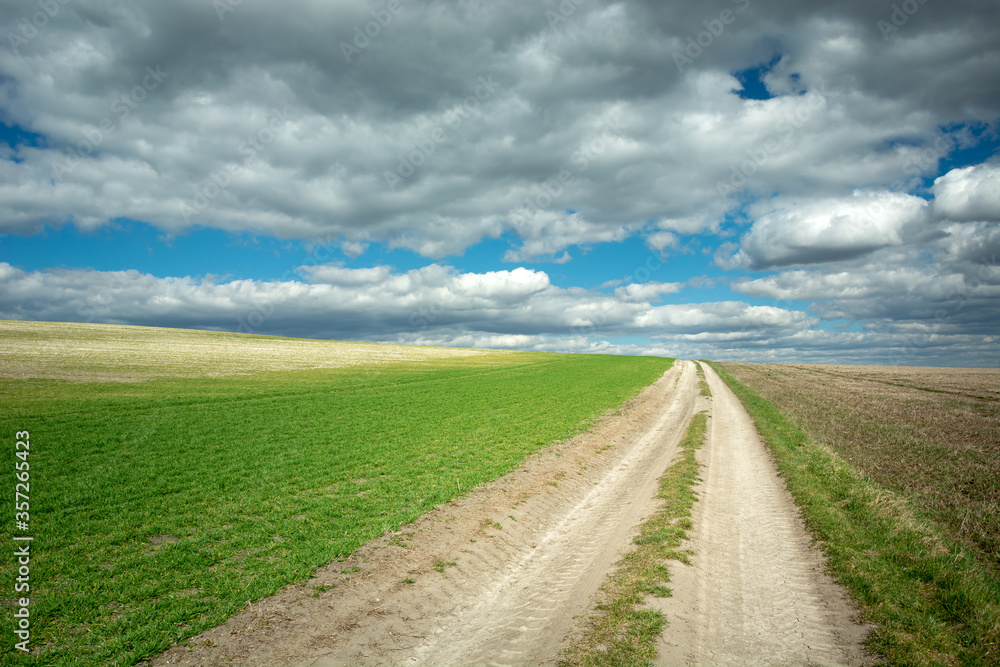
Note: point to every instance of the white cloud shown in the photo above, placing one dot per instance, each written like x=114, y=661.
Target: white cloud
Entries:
x=867, y=111
x=975, y=243
x=721, y=316
x=647, y=292
x=338, y=275
x=660, y=241
x=825, y=230
x=502, y=286
x=842, y=285
x=519, y=309
x=969, y=194
x=353, y=248
x=945, y=297
x=545, y=233
x=373, y=304
x=500, y=126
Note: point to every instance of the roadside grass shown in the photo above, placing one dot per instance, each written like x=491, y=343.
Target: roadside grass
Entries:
x=932, y=601
x=160, y=507
x=622, y=632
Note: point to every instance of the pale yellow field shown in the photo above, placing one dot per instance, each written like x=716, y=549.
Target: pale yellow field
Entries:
x=99, y=352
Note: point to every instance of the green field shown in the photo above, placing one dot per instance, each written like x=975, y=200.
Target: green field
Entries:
x=160, y=505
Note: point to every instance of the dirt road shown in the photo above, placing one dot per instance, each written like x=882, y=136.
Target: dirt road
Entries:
x=756, y=592
x=501, y=575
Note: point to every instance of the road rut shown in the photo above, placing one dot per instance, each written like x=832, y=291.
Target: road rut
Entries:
x=757, y=592
x=522, y=617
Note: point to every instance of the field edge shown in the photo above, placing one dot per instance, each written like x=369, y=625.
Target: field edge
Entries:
x=928, y=599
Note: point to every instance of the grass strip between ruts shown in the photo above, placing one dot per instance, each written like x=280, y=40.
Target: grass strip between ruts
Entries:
x=931, y=602
x=622, y=632
x=703, y=388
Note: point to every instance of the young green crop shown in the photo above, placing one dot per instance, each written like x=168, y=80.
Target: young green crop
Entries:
x=159, y=508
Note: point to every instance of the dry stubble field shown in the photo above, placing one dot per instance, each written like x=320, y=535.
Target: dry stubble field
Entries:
x=931, y=434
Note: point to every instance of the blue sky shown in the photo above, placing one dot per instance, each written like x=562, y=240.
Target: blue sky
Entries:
x=731, y=180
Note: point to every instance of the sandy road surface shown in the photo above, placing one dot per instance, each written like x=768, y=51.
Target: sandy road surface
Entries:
x=523, y=556
x=756, y=592
x=522, y=617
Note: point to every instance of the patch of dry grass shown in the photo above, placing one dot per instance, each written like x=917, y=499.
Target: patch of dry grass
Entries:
x=931, y=434
x=103, y=352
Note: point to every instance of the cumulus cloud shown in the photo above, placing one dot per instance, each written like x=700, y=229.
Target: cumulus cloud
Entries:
x=975, y=245
x=915, y=348
x=826, y=230
x=723, y=317
x=373, y=303
x=647, y=292
x=822, y=286
x=951, y=296
x=969, y=194
x=338, y=275
x=521, y=309
x=456, y=123
x=660, y=241
x=263, y=120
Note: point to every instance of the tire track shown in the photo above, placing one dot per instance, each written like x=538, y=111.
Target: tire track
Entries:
x=537, y=601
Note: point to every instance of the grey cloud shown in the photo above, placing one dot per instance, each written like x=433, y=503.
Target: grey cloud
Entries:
x=827, y=173
x=520, y=309
x=898, y=290
x=923, y=348
x=351, y=122
x=647, y=292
